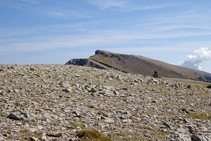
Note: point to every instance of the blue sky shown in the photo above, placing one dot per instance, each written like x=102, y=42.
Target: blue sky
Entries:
x=54, y=31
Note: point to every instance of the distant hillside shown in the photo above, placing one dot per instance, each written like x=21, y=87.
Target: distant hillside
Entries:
x=140, y=65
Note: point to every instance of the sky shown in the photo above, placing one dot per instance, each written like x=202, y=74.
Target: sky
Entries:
x=55, y=31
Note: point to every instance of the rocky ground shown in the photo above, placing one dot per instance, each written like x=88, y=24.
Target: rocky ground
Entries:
x=53, y=102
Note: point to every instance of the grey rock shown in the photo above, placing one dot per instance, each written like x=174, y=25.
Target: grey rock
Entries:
x=34, y=139
x=195, y=138
x=13, y=116
x=93, y=90
x=167, y=125
x=67, y=90
x=117, y=106
x=77, y=113
x=189, y=86
x=190, y=128
x=54, y=134
x=127, y=121
x=109, y=120
x=44, y=138
x=64, y=84
x=185, y=137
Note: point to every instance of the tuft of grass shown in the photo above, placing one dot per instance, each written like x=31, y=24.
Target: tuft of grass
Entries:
x=35, y=100
x=76, y=124
x=1, y=114
x=202, y=116
x=24, y=131
x=126, y=136
x=159, y=134
x=91, y=106
x=37, y=75
x=91, y=135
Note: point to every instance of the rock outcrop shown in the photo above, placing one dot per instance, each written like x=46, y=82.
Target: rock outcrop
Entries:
x=85, y=62
x=53, y=102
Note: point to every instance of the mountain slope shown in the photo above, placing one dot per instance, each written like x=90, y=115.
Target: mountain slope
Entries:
x=142, y=65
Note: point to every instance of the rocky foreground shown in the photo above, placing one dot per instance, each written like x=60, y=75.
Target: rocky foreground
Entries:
x=53, y=102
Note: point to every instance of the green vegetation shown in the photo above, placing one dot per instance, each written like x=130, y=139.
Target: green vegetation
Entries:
x=24, y=131
x=125, y=136
x=202, y=116
x=91, y=135
x=155, y=74
x=91, y=106
x=1, y=114
x=76, y=124
x=37, y=75
x=209, y=86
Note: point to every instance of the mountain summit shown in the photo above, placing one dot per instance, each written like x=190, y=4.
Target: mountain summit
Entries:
x=139, y=65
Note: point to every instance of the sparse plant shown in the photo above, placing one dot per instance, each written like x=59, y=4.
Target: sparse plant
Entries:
x=1, y=114
x=209, y=86
x=91, y=106
x=202, y=116
x=24, y=131
x=76, y=124
x=92, y=135
x=37, y=75
x=155, y=74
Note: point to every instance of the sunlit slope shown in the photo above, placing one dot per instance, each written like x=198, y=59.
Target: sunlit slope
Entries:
x=139, y=65
x=145, y=66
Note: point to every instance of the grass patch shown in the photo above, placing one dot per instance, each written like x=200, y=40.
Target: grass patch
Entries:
x=159, y=134
x=1, y=114
x=91, y=106
x=91, y=135
x=76, y=124
x=202, y=116
x=35, y=100
x=24, y=131
x=123, y=136
x=37, y=75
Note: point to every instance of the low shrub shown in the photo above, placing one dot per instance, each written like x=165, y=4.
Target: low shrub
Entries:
x=155, y=74
x=209, y=86
x=91, y=135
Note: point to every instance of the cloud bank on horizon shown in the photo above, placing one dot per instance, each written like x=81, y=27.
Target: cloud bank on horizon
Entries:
x=195, y=60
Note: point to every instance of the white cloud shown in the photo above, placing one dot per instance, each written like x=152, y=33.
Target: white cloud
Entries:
x=66, y=14
x=195, y=60
x=138, y=7
x=108, y=3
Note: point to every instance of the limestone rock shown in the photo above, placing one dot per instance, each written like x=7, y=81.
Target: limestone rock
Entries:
x=53, y=102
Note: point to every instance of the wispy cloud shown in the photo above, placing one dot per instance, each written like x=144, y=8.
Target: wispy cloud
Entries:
x=108, y=3
x=90, y=38
x=134, y=7
x=53, y=11
x=65, y=14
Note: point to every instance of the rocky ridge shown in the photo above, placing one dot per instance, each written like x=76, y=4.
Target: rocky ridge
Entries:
x=53, y=102
x=140, y=65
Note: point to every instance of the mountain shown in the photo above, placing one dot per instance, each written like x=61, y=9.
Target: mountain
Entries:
x=139, y=65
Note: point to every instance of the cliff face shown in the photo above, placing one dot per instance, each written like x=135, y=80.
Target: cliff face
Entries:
x=85, y=62
x=140, y=65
